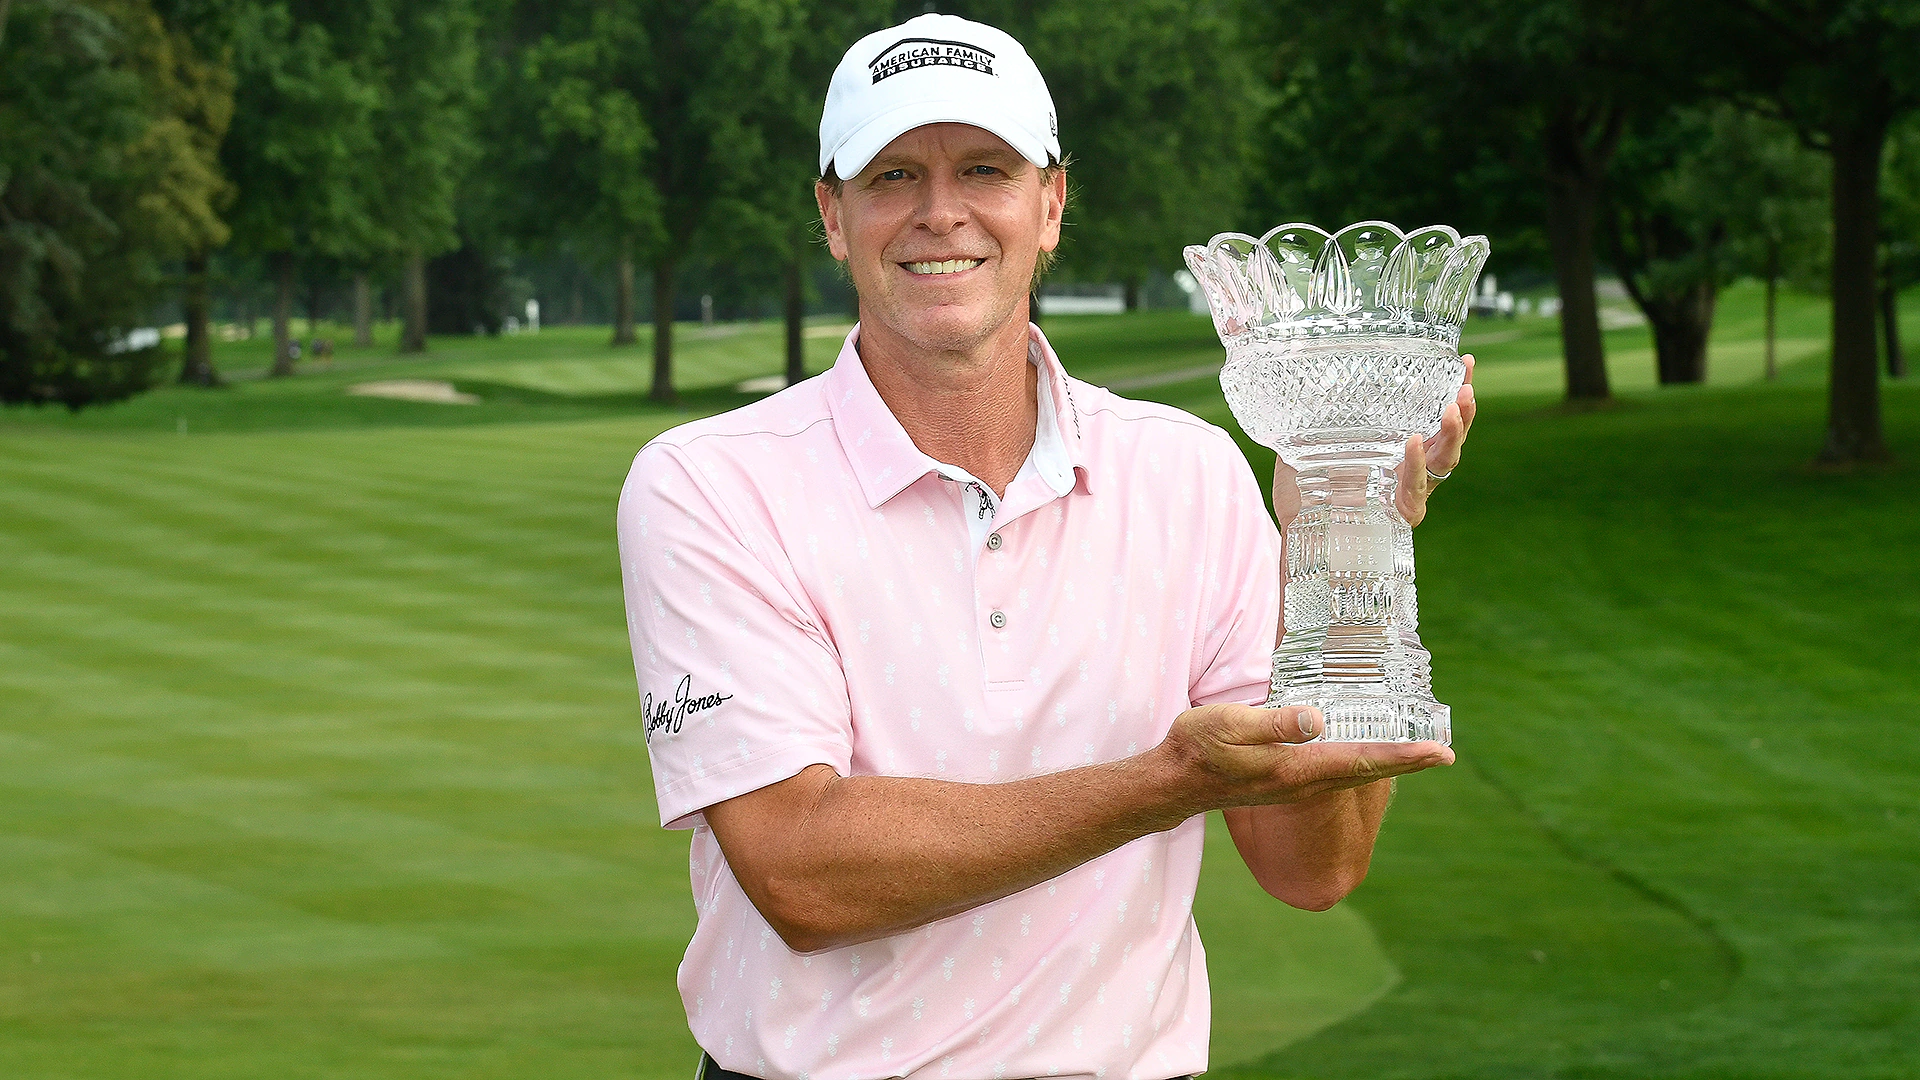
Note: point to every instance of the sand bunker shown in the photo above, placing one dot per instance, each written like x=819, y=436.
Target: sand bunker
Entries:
x=433, y=390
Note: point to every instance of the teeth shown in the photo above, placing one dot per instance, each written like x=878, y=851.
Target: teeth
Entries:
x=951, y=266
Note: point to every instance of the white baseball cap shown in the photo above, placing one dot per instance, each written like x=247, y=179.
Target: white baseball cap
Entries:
x=934, y=69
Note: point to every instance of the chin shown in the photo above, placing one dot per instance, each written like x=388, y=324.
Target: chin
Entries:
x=947, y=328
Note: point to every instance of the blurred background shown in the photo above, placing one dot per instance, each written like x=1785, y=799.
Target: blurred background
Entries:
x=328, y=331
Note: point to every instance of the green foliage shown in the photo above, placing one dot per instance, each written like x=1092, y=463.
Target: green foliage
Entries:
x=1156, y=102
x=423, y=127
x=106, y=171
x=1697, y=195
x=1770, y=189
x=302, y=146
x=591, y=69
x=767, y=161
x=352, y=134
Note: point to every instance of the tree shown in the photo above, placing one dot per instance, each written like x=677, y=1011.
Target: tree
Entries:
x=102, y=178
x=1665, y=235
x=709, y=66
x=1692, y=192
x=593, y=63
x=647, y=108
x=1489, y=107
x=1842, y=73
x=301, y=149
x=1155, y=101
x=423, y=142
x=200, y=94
x=1773, y=193
x=767, y=161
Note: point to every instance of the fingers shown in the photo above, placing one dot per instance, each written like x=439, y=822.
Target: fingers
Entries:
x=1241, y=755
x=1324, y=767
x=1298, y=724
x=1410, y=496
x=1286, y=493
x=1244, y=725
x=1416, y=455
x=1445, y=447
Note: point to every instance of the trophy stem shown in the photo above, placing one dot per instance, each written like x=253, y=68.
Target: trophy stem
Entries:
x=1351, y=648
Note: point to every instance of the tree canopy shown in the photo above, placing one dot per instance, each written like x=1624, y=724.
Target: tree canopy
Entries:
x=155, y=145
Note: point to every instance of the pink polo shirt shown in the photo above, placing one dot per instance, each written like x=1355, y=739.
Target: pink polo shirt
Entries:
x=803, y=587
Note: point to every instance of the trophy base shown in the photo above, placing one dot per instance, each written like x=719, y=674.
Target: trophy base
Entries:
x=1371, y=718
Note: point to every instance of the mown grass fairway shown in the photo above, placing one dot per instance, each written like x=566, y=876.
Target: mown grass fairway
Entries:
x=318, y=754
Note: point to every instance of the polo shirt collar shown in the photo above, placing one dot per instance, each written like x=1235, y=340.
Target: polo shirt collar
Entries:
x=886, y=462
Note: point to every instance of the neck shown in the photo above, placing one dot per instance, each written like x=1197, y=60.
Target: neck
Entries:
x=974, y=407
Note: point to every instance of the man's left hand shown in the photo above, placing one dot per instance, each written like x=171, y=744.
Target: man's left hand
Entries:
x=1424, y=458
x=1429, y=460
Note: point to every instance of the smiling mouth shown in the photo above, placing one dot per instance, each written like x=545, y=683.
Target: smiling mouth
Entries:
x=951, y=266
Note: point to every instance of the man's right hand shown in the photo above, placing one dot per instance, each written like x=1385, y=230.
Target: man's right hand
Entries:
x=1239, y=755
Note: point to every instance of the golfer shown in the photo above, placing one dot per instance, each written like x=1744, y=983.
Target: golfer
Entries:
x=944, y=653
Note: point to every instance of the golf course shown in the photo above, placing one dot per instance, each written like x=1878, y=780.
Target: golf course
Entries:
x=320, y=752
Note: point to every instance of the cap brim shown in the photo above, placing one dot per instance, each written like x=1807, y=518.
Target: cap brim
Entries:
x=872, y=137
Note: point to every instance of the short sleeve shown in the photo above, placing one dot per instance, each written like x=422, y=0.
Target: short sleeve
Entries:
x=739, y=688
x=1234, y=654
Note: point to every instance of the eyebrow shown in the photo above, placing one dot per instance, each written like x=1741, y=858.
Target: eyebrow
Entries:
x=989, y=155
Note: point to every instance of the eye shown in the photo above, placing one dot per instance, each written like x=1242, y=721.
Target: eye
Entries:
x=983, y=170
x=892, y=174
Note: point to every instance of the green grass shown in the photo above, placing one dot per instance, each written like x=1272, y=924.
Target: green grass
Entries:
x=317, y=753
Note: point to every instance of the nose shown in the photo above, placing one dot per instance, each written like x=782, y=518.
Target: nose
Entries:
x=941, y=208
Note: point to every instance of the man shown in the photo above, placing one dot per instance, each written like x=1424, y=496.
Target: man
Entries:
x=944, y=654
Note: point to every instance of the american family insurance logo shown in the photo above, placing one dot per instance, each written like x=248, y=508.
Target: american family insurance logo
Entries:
x=909, y=53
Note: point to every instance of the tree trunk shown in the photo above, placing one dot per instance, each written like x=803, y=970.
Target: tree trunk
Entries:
x=623, y=318
x=282, y=314
x=413, y=317
x=1853, y=395
x=662, y=330
x=6, y=7
x=1033, y=307
x=1681, y=324
x=1575, y=172
x=579, y=306
x=796, y=312
x=1131, y=297
x=1890, y=327
x=197, y=368
x=1570, y=236
x=362, y=310
x=1773, y=289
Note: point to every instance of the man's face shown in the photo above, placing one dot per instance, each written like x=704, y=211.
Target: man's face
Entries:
x=941, y=232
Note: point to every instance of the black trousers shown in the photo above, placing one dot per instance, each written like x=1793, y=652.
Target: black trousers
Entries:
x=711, y=1070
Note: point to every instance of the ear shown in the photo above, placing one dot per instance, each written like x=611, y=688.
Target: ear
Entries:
x=1054, y=200
x=830, y=220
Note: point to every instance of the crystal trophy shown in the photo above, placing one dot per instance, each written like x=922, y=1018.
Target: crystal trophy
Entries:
x=1339, y=348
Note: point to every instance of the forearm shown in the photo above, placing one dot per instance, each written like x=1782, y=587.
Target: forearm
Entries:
x=869, y=856
x=1312, y=853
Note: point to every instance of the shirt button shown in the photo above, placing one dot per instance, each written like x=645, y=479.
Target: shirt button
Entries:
x=993, y=542
x=998, y=619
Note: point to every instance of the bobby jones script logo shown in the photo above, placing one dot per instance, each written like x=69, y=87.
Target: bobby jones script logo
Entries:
x=671, y=714
x=909, y=53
